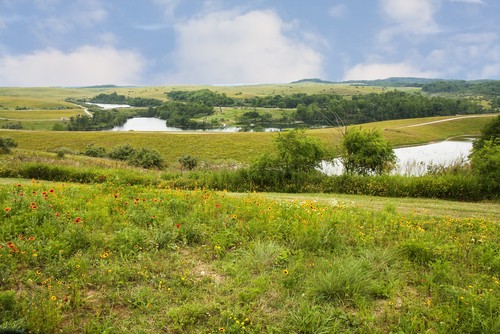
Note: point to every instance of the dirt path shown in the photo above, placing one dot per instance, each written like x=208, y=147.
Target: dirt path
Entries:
x=446, y=120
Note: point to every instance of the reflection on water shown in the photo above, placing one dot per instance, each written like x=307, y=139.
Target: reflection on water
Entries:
x=145, y=124
x=157, y=124
x=415, y=160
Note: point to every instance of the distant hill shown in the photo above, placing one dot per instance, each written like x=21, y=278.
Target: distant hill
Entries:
x=391, y=82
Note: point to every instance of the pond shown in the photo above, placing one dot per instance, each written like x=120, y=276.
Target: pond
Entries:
x=416, y=160
x=109, y=106
x=157, y=124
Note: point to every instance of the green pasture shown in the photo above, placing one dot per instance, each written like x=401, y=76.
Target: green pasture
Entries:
x=239, y=147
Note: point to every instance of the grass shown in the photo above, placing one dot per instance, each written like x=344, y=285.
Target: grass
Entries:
x=117, y=258
x=238, y=147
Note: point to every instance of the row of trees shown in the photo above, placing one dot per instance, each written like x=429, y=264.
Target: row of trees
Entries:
x=114, y=98
x=329, y=109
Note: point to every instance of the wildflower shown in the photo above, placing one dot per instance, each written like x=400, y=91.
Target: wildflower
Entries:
x=7, y=209
x=217, y=206
x=51, y=190
x=53, y=298
x=178, y=225
x=222, y=329
x=77, y=220
x=285, y=271
x=31, y=238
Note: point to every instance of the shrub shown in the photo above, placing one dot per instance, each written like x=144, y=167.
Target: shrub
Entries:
x=122, y=152
x=62, y=151
x=146, y=158
x=6, y=143
x=188, y=162
x=95, y=151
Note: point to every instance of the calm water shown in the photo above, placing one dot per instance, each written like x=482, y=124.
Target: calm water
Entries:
x=156, y=124
x=416, y=159
x=109, y=106
x=411, y=160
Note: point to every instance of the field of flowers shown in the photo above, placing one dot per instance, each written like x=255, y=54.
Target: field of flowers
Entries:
x=108, y=258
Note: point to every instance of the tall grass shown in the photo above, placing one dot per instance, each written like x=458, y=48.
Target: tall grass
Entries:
x=131, y=258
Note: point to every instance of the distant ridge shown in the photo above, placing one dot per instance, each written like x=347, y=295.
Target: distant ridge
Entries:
x=393, y=82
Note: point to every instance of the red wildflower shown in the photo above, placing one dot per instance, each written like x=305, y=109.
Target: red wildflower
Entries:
x=7, y=209
x=57, y=214
x=51, y=190
x=77, y=220
x=217, y=206
x=31, y=238
x=178, y=225
x=12, y=247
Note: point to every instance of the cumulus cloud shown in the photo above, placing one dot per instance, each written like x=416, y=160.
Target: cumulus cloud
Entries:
x=232, y=47
x=373, y=71
x=87, y=65
x=81, y=14
x=410, y=17
x=475, y=54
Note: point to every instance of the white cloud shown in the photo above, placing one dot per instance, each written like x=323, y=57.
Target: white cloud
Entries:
x=338, y=10
x=475, y=55
x=82, y=14
x=373, y=71
x=87, y=65
x=232, y=47
x=412, y=17
x=479, y=2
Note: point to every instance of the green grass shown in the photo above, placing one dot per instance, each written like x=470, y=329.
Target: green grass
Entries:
x=116, y=258
x=239, y=147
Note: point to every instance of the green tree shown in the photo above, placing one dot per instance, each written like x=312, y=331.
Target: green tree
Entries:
x=296, y=153
x=490, y=132
x=6, y=143
x=366, y=152
x=485, y=156
x=146, y=158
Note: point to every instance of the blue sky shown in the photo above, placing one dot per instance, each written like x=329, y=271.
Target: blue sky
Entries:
x=166, y=42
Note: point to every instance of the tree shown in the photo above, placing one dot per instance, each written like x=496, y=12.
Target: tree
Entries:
x=485, y=156
x=366, y=152
x=146, y=158
x=296, y=153
x=6, y=143
x=490, y=132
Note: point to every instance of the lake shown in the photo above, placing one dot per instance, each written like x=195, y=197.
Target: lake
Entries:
x=157, y=124
x=415, y=160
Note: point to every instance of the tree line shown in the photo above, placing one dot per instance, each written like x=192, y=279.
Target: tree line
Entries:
x=329, y=109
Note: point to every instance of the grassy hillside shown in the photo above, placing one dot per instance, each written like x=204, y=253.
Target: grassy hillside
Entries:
x=114, y=259
x=240, y=147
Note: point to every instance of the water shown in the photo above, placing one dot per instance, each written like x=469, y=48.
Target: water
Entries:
x=109, y=106
x=157, y=124
x=145, y=124
x=415, y=160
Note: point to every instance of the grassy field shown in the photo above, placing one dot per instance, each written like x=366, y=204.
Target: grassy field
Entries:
x=111, y=259
x=239, y=147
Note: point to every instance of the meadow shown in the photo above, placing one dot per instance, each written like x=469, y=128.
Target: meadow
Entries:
x=112, y=258
x=92, y=245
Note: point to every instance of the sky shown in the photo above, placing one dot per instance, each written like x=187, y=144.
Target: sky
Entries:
x=232, y=42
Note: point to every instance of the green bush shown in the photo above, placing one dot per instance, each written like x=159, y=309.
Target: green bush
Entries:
x=122, y=152
x=146, y=158
x=95, y=151
x=6, y=144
